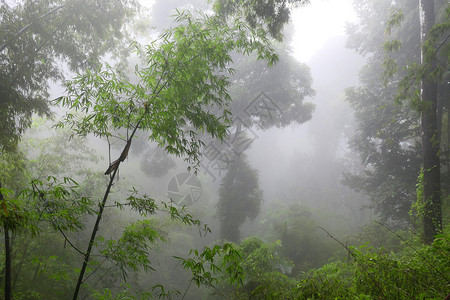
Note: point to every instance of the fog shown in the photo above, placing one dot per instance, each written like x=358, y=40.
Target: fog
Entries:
x=300, y=163
x=118, y=178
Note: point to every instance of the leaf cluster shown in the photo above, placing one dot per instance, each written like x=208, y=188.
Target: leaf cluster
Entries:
x=131, y=251
x=214, y=264
x=58, y=203
x=177, y=88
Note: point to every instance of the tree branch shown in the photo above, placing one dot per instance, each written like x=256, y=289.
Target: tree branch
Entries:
x=410, y=246
x=377, y=284
x=70, y=243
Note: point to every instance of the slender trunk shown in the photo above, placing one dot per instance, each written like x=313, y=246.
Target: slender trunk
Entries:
x=112, y=169
x=439, y=115
x=8, y=289
x=448, y=139
x=432, y=218
x=93, y=235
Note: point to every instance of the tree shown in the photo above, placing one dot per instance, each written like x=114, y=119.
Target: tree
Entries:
x=182, y=81
x=388, y=149
x=388, y=139
x=431, y=109
x=12, y=215
x=33, y=220
x=432, y=215
x=239, y=198
x=37, y=37
x=263, y=97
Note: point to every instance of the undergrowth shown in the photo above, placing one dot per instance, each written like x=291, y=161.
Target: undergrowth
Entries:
x=417, y=271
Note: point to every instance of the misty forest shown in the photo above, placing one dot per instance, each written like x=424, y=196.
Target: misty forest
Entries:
x=189, y=150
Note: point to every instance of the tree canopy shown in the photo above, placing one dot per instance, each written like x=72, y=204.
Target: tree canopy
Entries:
x=39, y=39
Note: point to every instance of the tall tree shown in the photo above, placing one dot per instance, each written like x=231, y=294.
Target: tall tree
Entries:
x=263, y=97
x=240, y=198
x=388, y=138
x=388, y=148
x=432, y=215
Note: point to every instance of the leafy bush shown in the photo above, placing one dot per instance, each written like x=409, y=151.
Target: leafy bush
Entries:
x=416, y=272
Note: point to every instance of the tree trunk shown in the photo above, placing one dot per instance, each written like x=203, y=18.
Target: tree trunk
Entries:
x=93, y=235
x=432, y=217
x=230, y=230
x=115, y=165
x=8, y=290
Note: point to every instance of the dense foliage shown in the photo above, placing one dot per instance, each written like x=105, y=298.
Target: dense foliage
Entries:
x=39, y=38
x=269, y=16
x=414, y=272
x=402, y=269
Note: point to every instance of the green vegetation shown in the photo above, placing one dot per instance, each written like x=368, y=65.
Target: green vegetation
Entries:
x=412, y=271
x=85, y=208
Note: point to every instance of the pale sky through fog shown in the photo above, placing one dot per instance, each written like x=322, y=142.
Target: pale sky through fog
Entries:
x=317, y=22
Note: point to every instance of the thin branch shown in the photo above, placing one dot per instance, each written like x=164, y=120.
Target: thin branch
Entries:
x=442, y=44
x=377, y=284
x=422, y=69
x=70, y=243
x=93, y=234
x=410, y=246
x=187, y=289
x=98, y=267
x=42, y=197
